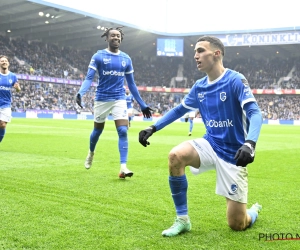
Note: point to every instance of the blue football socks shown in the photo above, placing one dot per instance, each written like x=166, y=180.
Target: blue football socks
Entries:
x=178, y=186
x=123, y=143
x=253, y=214
x=2, y=133
x=94, y=137
x=191, y=125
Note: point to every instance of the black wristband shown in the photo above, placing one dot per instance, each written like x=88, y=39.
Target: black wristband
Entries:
x=153, y=128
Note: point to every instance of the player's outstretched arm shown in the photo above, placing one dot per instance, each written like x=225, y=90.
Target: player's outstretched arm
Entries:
x=168, y=118
x=134, y=91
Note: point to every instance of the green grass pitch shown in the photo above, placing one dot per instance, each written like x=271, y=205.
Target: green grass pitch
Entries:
x=50, y=201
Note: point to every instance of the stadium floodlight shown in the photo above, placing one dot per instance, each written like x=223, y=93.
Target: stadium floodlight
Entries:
x=41, y=13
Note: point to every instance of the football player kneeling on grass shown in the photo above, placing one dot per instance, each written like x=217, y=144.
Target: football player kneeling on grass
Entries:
x=233, y=121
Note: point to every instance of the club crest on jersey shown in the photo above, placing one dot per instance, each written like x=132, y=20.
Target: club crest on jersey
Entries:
x=10, y=81
x=106, y=60
x=123, y=63
x=223, y=96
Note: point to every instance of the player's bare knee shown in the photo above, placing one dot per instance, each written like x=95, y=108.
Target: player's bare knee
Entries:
x=2, y=124
x=236, y=225
x=176, y=163
x=174, y=157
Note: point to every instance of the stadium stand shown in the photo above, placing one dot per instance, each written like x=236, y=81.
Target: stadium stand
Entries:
x=40, y=59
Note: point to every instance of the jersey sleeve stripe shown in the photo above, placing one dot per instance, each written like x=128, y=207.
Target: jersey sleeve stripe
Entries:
x=248, y=100
x=188, y=107
x=129, y=72
x=92, y=67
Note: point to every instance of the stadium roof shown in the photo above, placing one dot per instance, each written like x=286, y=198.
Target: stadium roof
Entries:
x=75, y=30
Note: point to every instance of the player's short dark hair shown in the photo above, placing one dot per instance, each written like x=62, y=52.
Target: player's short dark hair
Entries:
x=107, y=30
x=3, y=56
x=214, y=41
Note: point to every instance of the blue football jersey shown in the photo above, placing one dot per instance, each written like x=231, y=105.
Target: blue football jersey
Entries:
x=111, y=68
x=129, y=100
x=7, y=82
x=220, y=103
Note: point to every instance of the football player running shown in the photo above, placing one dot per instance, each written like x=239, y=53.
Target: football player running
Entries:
x=113, y=65
x=8, y=81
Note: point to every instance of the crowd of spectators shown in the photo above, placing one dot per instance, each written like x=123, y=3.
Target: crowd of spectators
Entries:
x=48, y=96
x=274, y=107
x=37, y=58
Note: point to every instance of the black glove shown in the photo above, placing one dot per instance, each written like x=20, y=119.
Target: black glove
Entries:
x=186, y=119
x=147, y=112
x=78, y=100
x=245, y=154
x=145, y=134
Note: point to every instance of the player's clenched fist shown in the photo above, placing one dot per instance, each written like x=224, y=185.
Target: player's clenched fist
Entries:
x=245, y=154
x=145, y=134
